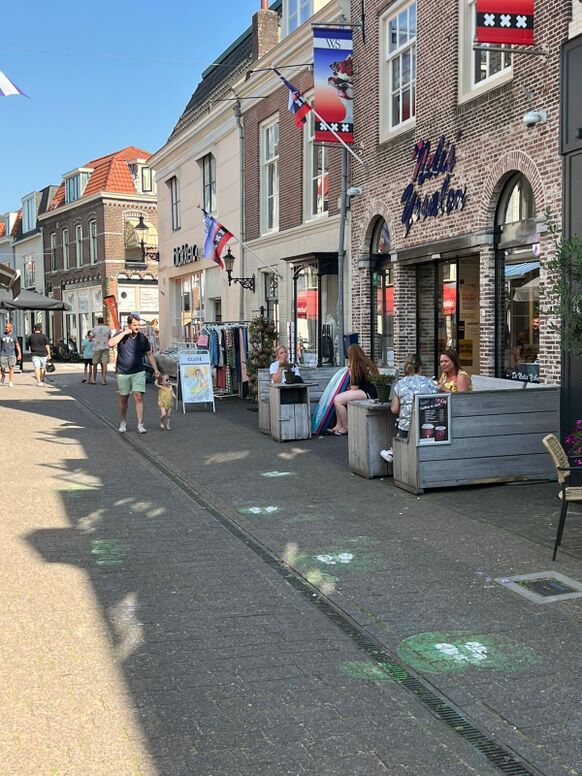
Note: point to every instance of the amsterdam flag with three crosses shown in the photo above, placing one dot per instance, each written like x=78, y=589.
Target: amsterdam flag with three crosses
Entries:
x=505, y=22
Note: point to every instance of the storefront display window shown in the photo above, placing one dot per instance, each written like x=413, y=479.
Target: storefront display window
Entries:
x=316, y=298
x=188, y=306
x=519, y=275
x=382, y=296
x=307, y=310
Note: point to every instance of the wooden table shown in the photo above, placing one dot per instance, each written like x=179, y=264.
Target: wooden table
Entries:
x=290, y=410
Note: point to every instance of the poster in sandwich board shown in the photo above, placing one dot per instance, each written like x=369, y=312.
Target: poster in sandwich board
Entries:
x=196, y=378
x=433, y=412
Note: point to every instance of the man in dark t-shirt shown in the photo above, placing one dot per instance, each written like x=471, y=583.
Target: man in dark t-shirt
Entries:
x=40, y=351
x=9, y=350
x=132, y=346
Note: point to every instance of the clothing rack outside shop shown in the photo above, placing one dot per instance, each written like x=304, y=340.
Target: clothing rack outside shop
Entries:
x=228, y=345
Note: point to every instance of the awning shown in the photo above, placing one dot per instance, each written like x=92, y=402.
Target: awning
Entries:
x=519, y=270
x=528, y=292
x=30, y=300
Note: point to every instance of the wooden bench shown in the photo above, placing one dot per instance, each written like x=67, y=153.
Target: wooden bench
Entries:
x=319, y=376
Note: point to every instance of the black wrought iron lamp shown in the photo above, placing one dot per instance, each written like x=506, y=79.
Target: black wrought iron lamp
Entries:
x=248, y=283
x=147, y=252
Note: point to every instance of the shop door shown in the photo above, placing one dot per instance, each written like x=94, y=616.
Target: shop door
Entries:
x=447, y=305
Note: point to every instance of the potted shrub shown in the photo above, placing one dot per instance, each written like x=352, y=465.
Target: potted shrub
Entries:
x=383, y=384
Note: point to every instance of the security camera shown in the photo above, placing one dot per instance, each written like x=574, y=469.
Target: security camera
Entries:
x=534, y=117
x=354, y=191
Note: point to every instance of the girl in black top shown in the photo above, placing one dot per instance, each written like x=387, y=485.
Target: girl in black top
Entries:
x=361, y=367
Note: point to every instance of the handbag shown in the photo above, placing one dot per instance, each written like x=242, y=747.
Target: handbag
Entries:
x=50, y=367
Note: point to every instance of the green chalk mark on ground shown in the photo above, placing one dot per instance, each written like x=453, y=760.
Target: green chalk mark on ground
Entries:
x=77, y=486
x=339, y=558
x=319, y=578
x=275, y=474
x=108, y=552
x=269, y=510
x=364, y=671
x=459, y=651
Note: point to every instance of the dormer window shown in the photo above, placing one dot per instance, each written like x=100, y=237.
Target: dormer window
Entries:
x=28, y=213
x=143, y=176
x=295, y=12
x=75, y=184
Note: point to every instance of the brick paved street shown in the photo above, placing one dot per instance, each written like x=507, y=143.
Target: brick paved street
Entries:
x=148, y=627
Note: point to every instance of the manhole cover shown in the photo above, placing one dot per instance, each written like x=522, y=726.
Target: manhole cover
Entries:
x=543, y=587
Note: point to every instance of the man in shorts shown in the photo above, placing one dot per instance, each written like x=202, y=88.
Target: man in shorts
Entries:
x=9, y=350
x=40, y=350
x=132, y=346
x=101, y=335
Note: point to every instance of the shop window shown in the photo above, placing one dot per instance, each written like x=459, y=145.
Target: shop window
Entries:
x=382, y=296
x=316, y=173
x=270, y=176
x=519, y=286
x=479, y=70
x=307, y=311
x=189, y=312
x=398, y=73
x=209, y=183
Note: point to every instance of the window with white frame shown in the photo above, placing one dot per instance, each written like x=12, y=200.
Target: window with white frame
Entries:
x=66, y=259
x=174, y=186
x=482, y=69
x=75, y=185
x=398, y=93
x=53, y=251
x=316, y=173
x=209, y=183
x=29, y=271
x=29, y=214
x=270, y=176
x=295, y=12
x=147, y=184
x=93, y=241
x=79, y=244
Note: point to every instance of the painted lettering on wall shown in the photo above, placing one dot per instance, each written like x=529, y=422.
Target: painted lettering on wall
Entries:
x=185, y=254
x=428, y=165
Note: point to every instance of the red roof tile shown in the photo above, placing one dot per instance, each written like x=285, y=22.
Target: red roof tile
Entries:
x=110, y=174
x=16, y=227
x=2, y=230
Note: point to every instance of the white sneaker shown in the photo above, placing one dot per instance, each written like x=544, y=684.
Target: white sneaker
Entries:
x=39, y=384
x=11, y=384
x=141, y=429
x=122, y=427
x=387, y=455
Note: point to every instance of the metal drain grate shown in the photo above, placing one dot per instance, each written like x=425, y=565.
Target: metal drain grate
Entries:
x=543, y=587
x=500, y=757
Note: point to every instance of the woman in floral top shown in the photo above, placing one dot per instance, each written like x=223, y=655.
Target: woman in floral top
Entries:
x=453, y=379
x=404, y=390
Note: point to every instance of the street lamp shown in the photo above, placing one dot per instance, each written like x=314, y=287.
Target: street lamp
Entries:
x=248, y=283
x=146, y=252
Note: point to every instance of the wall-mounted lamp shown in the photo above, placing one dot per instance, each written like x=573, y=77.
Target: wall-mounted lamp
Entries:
x=146, y=251
x=248, y=283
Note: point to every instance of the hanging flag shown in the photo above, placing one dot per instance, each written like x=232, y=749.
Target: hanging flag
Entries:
x=216, y=237
x=505, y=22
x=7, y=87
x=297, y=104
x=334, y=90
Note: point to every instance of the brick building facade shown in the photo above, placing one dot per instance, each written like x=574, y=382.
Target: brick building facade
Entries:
x=464, y=267
x=91, y=247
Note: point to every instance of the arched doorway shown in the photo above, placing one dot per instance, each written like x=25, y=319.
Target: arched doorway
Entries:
x=518, y=282
x=381, y=296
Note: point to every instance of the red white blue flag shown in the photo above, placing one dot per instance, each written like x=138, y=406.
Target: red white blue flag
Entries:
x=297, y=105
x=505, y=22
x=7, y=87
x=216, y=237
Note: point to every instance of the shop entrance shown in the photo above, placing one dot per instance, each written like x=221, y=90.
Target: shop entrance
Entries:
x=448, y=312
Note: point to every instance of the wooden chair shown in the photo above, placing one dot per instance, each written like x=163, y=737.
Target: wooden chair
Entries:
x=563, y=469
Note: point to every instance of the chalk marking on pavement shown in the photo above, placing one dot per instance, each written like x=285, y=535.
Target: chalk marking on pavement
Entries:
x=501, y=757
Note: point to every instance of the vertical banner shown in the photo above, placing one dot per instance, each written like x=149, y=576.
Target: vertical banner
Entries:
x=333, y=79
x=111, y=303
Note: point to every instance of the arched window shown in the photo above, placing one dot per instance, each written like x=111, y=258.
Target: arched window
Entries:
x=519, y=282
x=380, y=238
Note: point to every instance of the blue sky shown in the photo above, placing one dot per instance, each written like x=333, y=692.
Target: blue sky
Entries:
x=101, y=77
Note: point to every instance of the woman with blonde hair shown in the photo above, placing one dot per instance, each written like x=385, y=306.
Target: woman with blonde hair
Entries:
x=361, y=368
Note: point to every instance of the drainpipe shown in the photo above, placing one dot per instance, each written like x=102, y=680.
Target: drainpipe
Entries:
x=341, y=256
x=241, y=135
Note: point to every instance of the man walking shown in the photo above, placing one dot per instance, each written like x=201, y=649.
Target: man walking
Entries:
x=40, y=350
x=101, y=335
x=132, y=346
x=9, y=349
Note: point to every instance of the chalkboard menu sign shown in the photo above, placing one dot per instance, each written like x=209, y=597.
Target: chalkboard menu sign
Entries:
x=434, y=419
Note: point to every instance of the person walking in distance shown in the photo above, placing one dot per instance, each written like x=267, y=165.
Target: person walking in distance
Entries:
x=132, y=346
x=9, y=350
x=40, y=350
x=87, y=352
x=101, y=336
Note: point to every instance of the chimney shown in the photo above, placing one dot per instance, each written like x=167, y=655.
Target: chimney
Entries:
x=265, y=30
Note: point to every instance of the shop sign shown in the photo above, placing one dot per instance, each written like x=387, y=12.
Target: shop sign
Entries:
x=434, y=419
x=185, y=254
x=428, y=165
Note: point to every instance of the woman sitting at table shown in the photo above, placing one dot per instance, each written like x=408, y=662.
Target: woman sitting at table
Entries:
x=278, y=367
x=361, y=367
x=453, y=379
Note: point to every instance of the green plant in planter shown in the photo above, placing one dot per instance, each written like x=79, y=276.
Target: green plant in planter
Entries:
x=383, y=384
x=262, y=338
